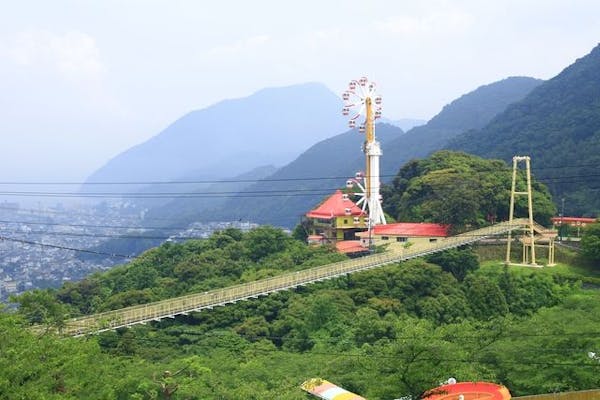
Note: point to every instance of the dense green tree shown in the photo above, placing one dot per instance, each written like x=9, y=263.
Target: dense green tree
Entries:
x=485, y=297
x=590, y=243
x=265, y=240
x=461, y=190
x=42, y=307
x=459, y=262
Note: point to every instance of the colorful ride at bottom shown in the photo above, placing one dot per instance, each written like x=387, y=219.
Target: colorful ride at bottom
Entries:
x=450, y=391
x=468, y=391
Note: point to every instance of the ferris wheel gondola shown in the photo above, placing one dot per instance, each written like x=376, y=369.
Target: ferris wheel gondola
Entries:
x=355, y=100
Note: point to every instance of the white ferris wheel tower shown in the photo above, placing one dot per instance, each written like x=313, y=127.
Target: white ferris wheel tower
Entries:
x=363, y=105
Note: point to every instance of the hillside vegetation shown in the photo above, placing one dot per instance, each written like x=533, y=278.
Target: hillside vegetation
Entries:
x=472, y=110
x=558, y=125
x=462, y=190
x=385, y=333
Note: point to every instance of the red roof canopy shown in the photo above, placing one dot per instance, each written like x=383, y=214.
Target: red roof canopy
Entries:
x=568, y=220
x=335, y=206
x=411, y=229
x=350, y=246
x=469, y=391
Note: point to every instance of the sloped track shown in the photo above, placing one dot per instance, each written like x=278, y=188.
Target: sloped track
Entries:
x=141, y=314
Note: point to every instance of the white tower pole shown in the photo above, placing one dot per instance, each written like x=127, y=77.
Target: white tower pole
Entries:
x=362, y=96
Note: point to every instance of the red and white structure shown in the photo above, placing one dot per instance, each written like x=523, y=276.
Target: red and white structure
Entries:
x=363, y=106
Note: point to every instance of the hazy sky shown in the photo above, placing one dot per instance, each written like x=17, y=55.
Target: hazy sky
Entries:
x=81, y=81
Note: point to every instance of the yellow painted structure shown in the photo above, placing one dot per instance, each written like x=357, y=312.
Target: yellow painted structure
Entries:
x=393, y=242
x=337, y=218
x=545, y=237
x=328, y=391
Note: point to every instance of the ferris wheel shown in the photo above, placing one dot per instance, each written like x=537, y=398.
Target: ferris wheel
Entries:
x=359, y=181
x=362, y=104
x=355, y=102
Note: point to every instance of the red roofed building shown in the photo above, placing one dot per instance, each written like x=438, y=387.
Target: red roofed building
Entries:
x=335, y=219
x=577, y=222
x=573, y=221
x=405, y=232
x=350, y=247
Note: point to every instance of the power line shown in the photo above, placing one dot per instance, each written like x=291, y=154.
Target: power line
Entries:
x=100, y=235
x=215, y=181
x=96, y=226
x=55, y=246
x=133, y=237
x=261, y=194
x=78, y=214
x=285, y=192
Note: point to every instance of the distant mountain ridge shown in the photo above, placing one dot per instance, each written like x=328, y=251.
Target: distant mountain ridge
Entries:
x=405, y=124
x=470, y=111
x=341, y=157
x=233, y=136
x=558, y=125
x=283, y=197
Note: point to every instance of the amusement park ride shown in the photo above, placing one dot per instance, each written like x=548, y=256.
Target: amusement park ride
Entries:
x=362, y=101
x=449, y=390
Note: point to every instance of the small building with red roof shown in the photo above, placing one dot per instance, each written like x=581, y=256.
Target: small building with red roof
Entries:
x=405, y=233
x=575, y=222
x=350, y=247
x=337, y=218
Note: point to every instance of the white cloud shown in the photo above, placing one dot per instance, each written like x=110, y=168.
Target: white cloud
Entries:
x=437, y=22
x=239, y=47
x=74, y=55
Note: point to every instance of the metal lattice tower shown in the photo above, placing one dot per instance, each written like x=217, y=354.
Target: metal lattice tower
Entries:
x=527, y=248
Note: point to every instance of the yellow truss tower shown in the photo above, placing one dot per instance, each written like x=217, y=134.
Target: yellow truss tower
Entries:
x=529, y=244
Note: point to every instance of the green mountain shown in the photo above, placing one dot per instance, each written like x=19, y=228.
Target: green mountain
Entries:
x=282, y=198
x=232, y=137
x=470, y=111
x=558, y=125
x=286, y=196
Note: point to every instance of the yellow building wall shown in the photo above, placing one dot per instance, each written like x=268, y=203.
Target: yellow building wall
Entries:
x=414, y=241
x=347, y=222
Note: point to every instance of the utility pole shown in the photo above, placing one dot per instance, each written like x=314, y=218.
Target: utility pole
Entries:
x=562, y=215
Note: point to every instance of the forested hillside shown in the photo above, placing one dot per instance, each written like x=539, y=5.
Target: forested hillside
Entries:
x=558, y=125
x=386, y=333
x=462, y=190
x=470, y=111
